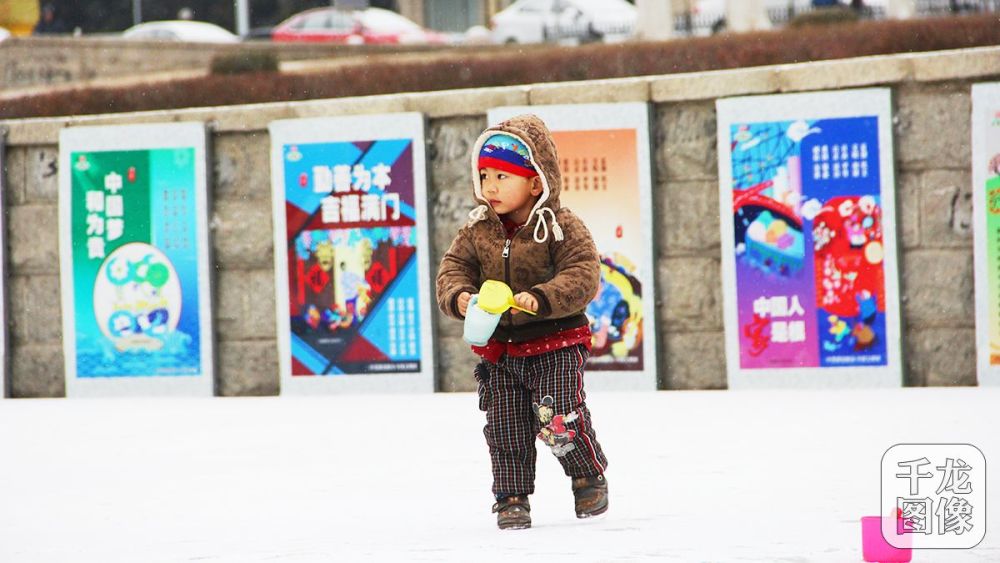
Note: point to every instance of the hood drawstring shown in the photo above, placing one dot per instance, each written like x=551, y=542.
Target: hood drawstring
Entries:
x=477, y=214
x=540, y=224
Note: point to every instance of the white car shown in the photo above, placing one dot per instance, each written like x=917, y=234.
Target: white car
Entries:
x=4, y=34
x=564, y=21
x=180, y=30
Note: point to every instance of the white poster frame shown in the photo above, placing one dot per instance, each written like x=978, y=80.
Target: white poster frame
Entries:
x=813, y=105
x=604, y=116
x=123, y=138
x=985, y=115
x=410, y=125
x=4, y=337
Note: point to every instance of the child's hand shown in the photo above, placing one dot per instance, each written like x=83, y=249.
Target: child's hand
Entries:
x=463, y=302
x=525, y=300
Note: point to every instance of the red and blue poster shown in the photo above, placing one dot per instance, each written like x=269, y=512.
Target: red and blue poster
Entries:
x=350, y=254
x=810, y=241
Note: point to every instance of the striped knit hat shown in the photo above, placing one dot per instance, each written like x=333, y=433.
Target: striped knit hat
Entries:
x=506, y=153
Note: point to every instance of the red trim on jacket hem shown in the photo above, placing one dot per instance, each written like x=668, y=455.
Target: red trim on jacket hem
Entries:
x=495, y=349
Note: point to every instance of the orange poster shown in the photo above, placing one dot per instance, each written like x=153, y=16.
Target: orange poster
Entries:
x=600, y=174
x=605, y=161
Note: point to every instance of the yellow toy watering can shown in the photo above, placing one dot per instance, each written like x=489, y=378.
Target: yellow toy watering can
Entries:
x=496, y=297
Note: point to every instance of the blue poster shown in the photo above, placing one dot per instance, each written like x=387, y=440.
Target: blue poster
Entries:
x=809, y=243
x=351, y=238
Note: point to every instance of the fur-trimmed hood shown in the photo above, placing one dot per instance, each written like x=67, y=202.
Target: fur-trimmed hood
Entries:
x=531, y=131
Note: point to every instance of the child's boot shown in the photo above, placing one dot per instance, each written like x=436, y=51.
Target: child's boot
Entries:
x=513, y=512
x=591, y=494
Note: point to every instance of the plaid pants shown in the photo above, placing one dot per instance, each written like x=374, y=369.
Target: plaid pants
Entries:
x=507, y=392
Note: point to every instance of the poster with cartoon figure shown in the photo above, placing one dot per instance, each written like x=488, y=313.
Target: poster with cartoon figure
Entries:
x=809, y=269
x=351, y=254
x=986, y=203
x=604, y=159
x=134, y=260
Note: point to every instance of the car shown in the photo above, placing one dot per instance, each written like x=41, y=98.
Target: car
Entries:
x=370, y=26
x=4, y=34
x=180, y=30
x=564, y=21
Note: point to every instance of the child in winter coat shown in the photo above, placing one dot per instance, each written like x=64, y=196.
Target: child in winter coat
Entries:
x=531, y=375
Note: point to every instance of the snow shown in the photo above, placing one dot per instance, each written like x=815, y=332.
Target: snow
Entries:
x=694, y=476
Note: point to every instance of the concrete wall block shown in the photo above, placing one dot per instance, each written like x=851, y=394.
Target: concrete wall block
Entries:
x=941, y=356
x=14, y=166
x=241, y=162
x=908, y=209
x=455, y=365
x=957, y=64
x=449, y=192
x=247, y=368
x=688, y=217
x=845, y=73
x=41, y=183
x=474, y=102
x=946, y=208
x=937, y=289
x=260, y=306
x=35, y=313
x=591, y=92
x=713, y=84
x=43, y=131
x=34, y=239
x=26, y=65
x=690, y=293
x=37, y=371
x=933, y=128
x=392, y=103
x=245, y=305
x=242, y=234
x=685, y=139
x=446, y=327
x=693, y=360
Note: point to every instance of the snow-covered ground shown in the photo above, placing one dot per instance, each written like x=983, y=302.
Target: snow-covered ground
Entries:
x=694, y=476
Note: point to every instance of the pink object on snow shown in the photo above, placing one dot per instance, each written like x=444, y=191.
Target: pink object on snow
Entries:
x=875, y=548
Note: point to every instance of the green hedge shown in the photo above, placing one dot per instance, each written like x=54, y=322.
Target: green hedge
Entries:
x=243, y=62
x=383, y=75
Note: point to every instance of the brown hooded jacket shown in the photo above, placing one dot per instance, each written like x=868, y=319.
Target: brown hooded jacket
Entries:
x=558, y=264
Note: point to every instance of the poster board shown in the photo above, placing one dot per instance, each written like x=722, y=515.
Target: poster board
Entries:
x=351, y=254
x=605, y=162
x=134, y=260
x=986, y=209
x=809, y=268
x=4, y=342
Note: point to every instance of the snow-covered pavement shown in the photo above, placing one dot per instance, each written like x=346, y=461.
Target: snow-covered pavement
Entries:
x=694, y=476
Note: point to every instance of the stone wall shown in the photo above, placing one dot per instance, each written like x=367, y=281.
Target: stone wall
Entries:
x=931, y=93
x=38, y=61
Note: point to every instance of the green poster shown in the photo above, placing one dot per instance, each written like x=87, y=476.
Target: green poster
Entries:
x=135, y=263
x=134, y=260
